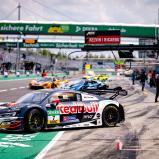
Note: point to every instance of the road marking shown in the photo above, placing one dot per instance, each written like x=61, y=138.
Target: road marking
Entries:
x=140, y=149
x=13, y=89
x=11, y=144
x=50, y=145
x=3, y=90
x=21, y=87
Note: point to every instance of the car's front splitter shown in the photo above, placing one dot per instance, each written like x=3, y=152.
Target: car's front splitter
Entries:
x=11, y=123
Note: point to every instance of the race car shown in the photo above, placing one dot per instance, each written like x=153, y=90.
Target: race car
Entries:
x=46, y=82
x=88, y=77
x=52, y=109
x=85, y=85
x=101, y=77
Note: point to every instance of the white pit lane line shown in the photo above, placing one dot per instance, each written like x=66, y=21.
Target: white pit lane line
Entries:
x=21, y=87
x=3, y=90
x=13, y=89
x=49, y=146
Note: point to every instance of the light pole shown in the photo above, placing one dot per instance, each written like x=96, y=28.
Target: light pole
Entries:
x=68, y=56
x=18, y=38
x=18, y=51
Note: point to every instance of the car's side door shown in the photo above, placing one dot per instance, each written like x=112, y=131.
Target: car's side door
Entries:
x=62, y=108
x=90, y=106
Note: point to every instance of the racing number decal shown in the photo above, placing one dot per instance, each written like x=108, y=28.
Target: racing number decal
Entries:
x=53, y=117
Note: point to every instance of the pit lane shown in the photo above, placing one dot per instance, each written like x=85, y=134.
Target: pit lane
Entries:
x=139, y=133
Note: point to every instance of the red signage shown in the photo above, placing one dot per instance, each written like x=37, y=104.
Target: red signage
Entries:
x=73, y=109
x=102, y=37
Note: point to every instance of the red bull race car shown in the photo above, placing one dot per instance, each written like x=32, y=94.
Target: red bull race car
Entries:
x=50, y=109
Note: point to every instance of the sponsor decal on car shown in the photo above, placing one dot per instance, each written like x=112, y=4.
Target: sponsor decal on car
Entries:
x=53, y=119
x=78, y=107
x=53, y=116
x=53, y=112
x=68, y=118
x=88, y=97
x=88, y=116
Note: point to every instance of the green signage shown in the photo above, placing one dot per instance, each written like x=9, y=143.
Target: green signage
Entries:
x=43, y=45
x=74, y=29
x=53, y=112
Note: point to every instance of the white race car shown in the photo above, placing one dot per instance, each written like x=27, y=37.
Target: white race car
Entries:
x=50, y=109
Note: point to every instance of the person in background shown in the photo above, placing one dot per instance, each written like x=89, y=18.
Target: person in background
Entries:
x=133, y=77
x=153, y=78
x=143, y=78
x=43, y=74
x=149, y=78
x=157, y=88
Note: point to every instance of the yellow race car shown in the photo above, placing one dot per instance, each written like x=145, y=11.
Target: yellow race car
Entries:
x=101, y=77
x=46, y=82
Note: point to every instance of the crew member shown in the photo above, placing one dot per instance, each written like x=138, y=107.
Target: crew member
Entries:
x=43, y=74
x=157, y=88
x=143, y=78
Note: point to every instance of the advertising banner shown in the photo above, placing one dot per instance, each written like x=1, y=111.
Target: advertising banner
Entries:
x=102, y=37
x=43, y=45
x=51, y=28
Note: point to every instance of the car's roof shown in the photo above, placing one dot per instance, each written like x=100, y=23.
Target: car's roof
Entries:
x=50, y=91
x=54, y=90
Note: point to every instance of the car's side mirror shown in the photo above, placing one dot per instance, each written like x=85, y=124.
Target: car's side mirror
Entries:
x=53, y=104
x=48, y=105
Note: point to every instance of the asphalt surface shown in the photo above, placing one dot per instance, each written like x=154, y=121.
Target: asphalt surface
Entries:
x=138, y=134
x=12, y=90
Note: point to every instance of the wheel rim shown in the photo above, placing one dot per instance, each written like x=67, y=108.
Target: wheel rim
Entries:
x=35, y=122
x=111, y=117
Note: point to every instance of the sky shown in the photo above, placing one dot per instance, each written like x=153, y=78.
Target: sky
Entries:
x=96, y=11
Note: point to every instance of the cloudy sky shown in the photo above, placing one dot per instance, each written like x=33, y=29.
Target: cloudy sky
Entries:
x=102, y=11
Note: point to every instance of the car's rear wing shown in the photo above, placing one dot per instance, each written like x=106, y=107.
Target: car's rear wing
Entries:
x=116, y=92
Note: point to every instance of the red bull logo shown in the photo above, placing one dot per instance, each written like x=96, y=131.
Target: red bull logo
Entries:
x=75, y=108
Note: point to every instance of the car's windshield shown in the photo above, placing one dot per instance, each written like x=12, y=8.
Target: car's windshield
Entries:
x=44, y=79
x=35, y=97
x=78, y=84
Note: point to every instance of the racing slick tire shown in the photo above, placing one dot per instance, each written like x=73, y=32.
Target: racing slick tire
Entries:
x=33, y=121
x=53, y=85
x=105, y=87
x=110, y=116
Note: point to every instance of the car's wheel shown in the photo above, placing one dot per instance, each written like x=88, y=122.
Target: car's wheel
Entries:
x=53, y=85
x=30, y=87
x=110, y=116
x=34, y=121
x=105, y=87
